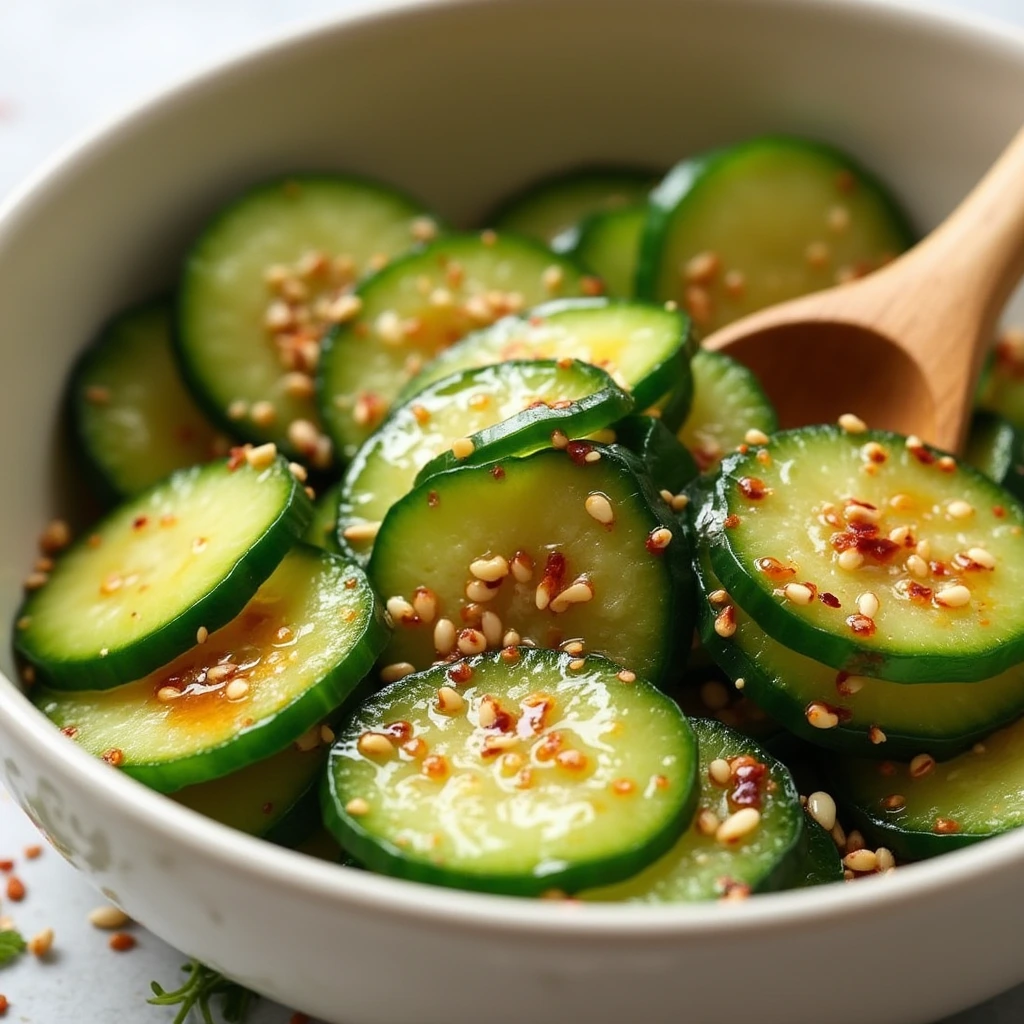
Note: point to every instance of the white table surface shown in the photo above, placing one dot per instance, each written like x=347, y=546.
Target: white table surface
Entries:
x=64, y=65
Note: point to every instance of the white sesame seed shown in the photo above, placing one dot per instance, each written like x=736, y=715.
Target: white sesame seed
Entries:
x=707, y=822
x=400, y=610
x=852, y=424
x=522, y=567
x=900, y=535
x=917, y=566
x=901, y=502
x=981, y=557
x=960, y=509
x=660, y=538
x=375, y=744
x=471, y=641
x=955, y=596
x=921, y=765
x=924, y=549
x=424, y=604
x=861, y=861
x=108, y=918
x=361, y=531
x=167, y=693
x=463, y=448
x=725, y=622
x=202, y=635
x=221, y=672
x=820, y=717
x=559, y=439
x=679, y=502
x=298, y=471
x=740, y=683
x=876, y=735
x=884, y=859
x=492, y=628
x=263, y=414
x=702, y=268
x=838, y=219
x=490, y=569
x=553, y=278
x=600, y=508
x=718, y=597
x=261, y=457
x=851, y=685
x=578, y=592
x=236, y=689
x=867, y=604
x=755, y=436
x=395, y=671
x=850, y=559
x=297, y=385
x=822, y=808
x=719, y=771
x=738, y=825
x=798, y=593
x=450, y=701
x=511, y=639
x=357, y=807
x=479, y=592
x=444, y=636
x=423, y=229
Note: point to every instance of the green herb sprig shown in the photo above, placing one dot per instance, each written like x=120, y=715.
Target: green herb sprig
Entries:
x=201, y=986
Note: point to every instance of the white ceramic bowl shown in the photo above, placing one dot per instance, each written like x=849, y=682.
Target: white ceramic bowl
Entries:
x=459, y=101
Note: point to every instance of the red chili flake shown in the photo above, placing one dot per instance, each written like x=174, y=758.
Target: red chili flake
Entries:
x=578, y=451
x=6, y=865
x=498, y=472
x=845, y=181
x=939, y=568
x=773, y=568
x=554, y=573
x=591, y=286
x=731, y=522
x=748, y=779
x=705, y=457
x=460, y=672
x=71, y=731
x=433, y=499
x=998, y=511
x=113, y=756
x=399, y=731
x=753, y=488
x=812, y=588
x=15, y=889
x=829, y=600
x=351, y=583
x=549, y=747
x=946, y=826
x=236, y=458
x=121, y=942
x=919, y=592
x=743, y=448
x=923, y=455
x=887, y=768
x=866, y=541
x=861, y=625
x=535, y=713
x=33, y=852
x=4, y=1004
x=731, y=889
x=140, y=522
x=510, y=654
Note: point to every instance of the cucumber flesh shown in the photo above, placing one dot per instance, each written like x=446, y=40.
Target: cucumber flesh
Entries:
x=550, y=210
x=669, y=465
x=630, y=598
x=270, y=798
x=738, y=229
x=929, y=809
x=952, y=613
x=728, y=402
x=322, y=531
x=510, y=408
x=301, y=645
x=133, y=417
x=873, y=717
x=609, y=245
x=262, y=284
x=822, y=864
x=644, y=348
x=542, y=772
x=702, y=867
x=420, y=305
x=182, y=557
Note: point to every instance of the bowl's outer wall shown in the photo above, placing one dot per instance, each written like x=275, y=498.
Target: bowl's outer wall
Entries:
x=460, y=102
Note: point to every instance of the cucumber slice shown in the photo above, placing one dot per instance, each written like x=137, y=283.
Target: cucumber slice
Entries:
x=609, y=245
x=922, y=808
x=669, y=465
x=815, y=493
x=545, y=772
x=322, y=531
x=542, y=526
x=702, y=867
x=738, y=229
x=822, y=864
x=549, y=210
x=507, y=409
x=275, y=799
x=302, y=644
x=134, y=419
x=704, y=694
x=728, y=402
x=1001, y=389
x=850, y=713
x=996, y=447
x=261, y=285
x=644, y=348
x=182, y=557
x=420, y=305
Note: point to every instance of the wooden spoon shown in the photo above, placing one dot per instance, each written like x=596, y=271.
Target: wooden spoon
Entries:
x=903, y=347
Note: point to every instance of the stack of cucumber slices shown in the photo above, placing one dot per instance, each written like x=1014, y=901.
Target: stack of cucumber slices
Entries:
x=454, y=554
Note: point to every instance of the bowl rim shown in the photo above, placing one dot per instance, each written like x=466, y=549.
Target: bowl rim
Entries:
x=287, y=869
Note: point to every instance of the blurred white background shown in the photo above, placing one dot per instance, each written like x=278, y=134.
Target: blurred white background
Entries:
x=66, y=65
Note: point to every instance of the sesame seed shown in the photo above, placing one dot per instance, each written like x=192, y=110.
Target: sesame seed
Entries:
x=375, y=744
x=740, y=683
x=559, y=439
x=822, y=808
x=522, y=567
x=876, y=736
x=357, y=807
x=41, y=943
x=108, y=918
x=960, y=509
x=480, y=592
x=718, y=597
x=725, y=622
x=511, y=639
x=714, y=695
x=361, y=531
x=817, y=254
x=444, y=636
x=600, y=508
x=901, y=502
x=707, y=822
x=578, y=592
x=838, y=219
x=861, y=861
x=55, y=537
x=237, y=689
x=956, y=596
x=981, y=557
x=855, y=842
x=471, y=641
x=719, y=771
x=423, y=229
x=738, y=825
x=698, y=304
x=450, y=701
x=849, y=685
x=395, y=671
x=261, y=457
x=463, y=448
x=400, y=610
x=309, y=740
x=921, y=765
x=798, y=593
x=820, y=717
x=625, y=676
x=326, y=735
x=679, y=502
x=490, y=625
x=263, y=414
x=219, y=673
x=894, y=802
x=755, y=436
x=490, y=570
x=295, y=384
x=867, y=604
x=553, y=278
x=917, y=566
x=735, y=282
x=35, y=580
x=702, y=268
x=884, y=859
x=202, y=635
x=900, y=535
x=946, y=826
x=660, y=539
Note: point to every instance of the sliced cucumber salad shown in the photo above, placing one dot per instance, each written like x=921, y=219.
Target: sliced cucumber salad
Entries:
x=452, y=556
